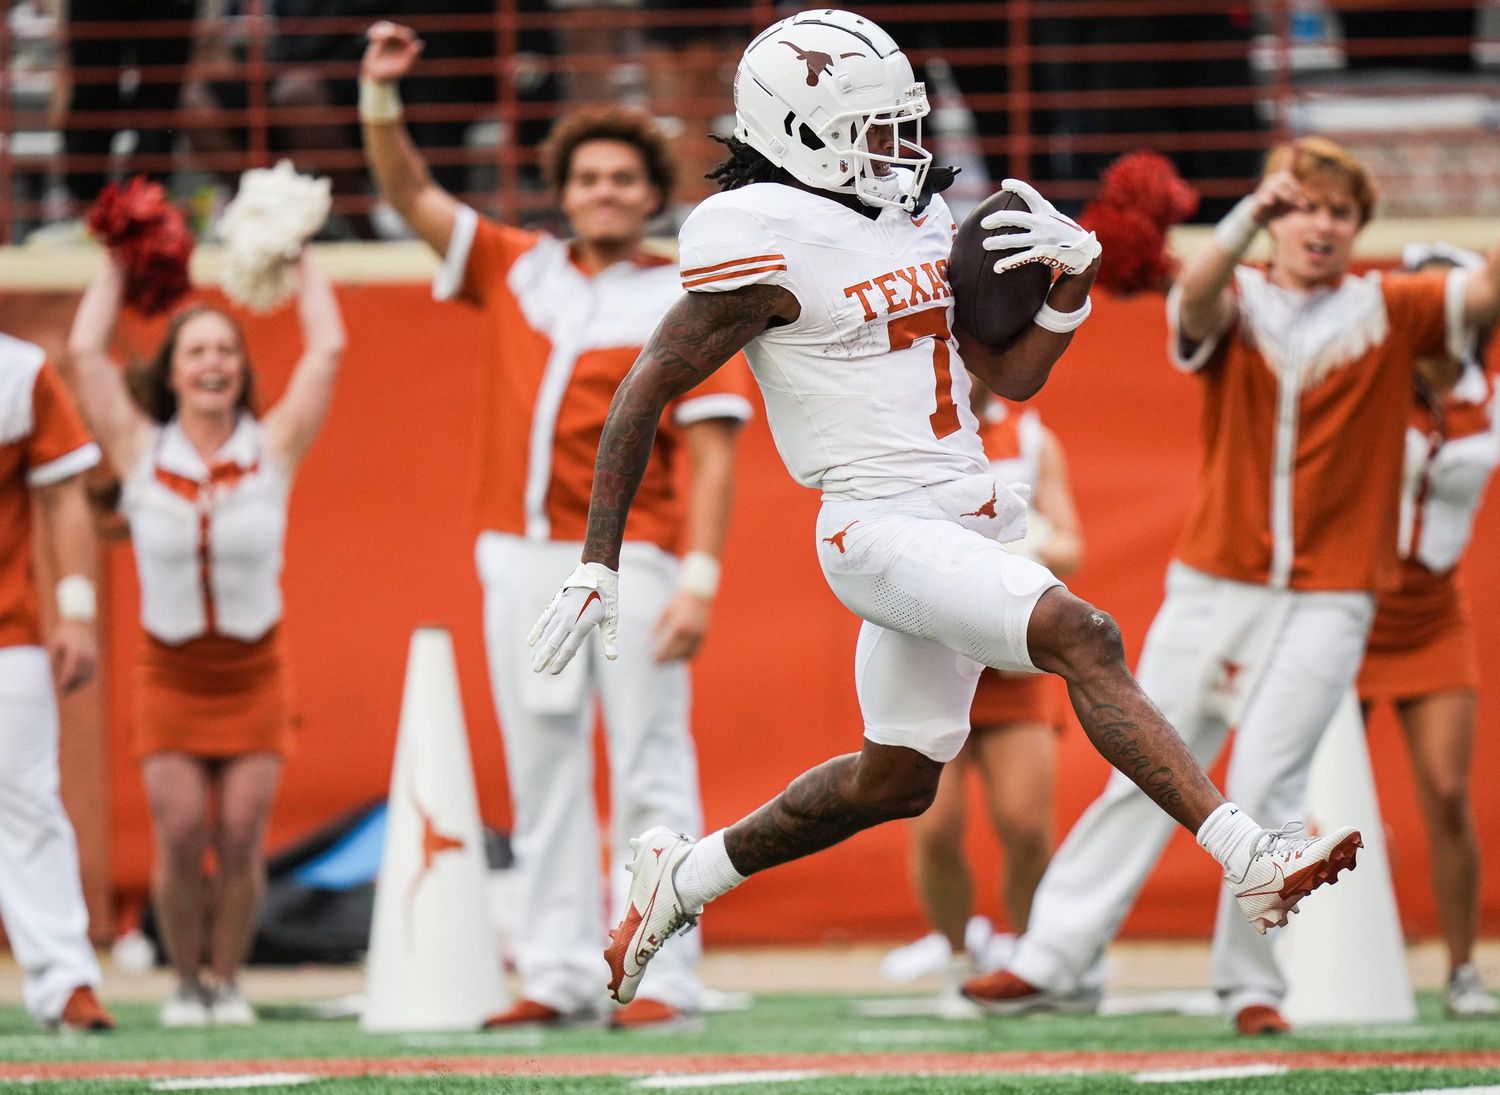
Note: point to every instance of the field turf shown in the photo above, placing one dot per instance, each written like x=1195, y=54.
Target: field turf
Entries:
x=784, y=1045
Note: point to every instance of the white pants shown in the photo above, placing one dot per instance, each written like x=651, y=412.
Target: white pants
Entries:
x=939, y=601
x=1310, y=646
x=41, y=898
x=547, y=723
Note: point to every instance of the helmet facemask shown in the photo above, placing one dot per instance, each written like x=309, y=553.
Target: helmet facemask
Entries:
x=881, y=142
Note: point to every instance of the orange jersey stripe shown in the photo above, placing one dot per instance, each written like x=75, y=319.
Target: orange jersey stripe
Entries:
x=695, y=282
x=735, y=262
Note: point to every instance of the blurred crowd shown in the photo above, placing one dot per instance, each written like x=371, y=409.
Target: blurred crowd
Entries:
x=180, y=102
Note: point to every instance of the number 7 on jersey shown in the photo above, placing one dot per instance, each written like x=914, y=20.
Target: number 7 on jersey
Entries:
x=932, y=323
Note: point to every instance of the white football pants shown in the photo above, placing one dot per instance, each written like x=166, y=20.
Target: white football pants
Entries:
x=1308, y=664
x=547, y=724
x=939, y=601
x=41, y=897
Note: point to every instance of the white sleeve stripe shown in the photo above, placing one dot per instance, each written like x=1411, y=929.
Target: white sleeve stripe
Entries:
x=64, y=467
x=695, y=271
x=728, y=275
x=704, y=407
x=449, y=279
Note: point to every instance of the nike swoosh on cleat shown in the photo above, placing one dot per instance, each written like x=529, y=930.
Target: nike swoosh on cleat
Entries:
x=1273, y=887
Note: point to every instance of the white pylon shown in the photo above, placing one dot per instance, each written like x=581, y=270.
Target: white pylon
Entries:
x=1344, y=954
x=432, y=962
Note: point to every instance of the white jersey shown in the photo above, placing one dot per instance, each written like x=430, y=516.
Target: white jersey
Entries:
x=865, y=393
x=1449, y=461
x=208, y=537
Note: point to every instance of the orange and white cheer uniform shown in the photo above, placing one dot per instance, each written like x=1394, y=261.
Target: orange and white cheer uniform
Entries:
x=559, y=342
x=1271, y=593
x=42, y=442
x=868, y=400
x=1012, y=440
x=1422, y=640
x=211, y=678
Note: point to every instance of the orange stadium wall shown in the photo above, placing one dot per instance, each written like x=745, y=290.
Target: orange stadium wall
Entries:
x=380, y=543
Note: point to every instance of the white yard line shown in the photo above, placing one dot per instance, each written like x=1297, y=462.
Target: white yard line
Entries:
x=254, y=1079
x=1225, y=1072
x=726, y=1079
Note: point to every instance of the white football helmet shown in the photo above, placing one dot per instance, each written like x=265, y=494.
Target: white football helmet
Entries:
x=808, y=93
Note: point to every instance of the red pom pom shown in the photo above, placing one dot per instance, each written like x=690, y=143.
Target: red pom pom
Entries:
x=1141, y=197
x=1148, y=182
x=1134, y=256
x=152, y=239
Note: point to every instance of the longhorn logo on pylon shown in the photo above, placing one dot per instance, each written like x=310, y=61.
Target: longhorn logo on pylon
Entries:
x=434, y=844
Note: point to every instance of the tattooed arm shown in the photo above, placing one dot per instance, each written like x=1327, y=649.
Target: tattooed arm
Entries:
x=698, y=334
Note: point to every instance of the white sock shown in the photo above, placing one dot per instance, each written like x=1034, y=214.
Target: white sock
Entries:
x=705, y=873
x=1229, y=834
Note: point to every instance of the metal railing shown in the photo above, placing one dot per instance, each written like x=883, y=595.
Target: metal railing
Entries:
x=1043, y=89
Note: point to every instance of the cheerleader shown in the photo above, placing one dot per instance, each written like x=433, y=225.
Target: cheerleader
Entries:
x=205, y=482
x=1420, y=657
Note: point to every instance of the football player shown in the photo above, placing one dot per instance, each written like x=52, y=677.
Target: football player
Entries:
x=824, y=258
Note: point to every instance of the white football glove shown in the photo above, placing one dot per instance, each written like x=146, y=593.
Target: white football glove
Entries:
x=1047, y=236
x=590, y=597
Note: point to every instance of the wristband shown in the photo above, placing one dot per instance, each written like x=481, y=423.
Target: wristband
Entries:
x=1237, y=231
x=1050, y=319
x=75, y=598
x=379, y=101
x=700, y=574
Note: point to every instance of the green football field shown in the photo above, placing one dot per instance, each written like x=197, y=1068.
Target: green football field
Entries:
x=783, y=1045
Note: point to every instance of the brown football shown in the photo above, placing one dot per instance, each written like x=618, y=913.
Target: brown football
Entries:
x=993, y=307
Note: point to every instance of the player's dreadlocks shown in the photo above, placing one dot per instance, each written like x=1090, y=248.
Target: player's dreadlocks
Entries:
x=744, y=166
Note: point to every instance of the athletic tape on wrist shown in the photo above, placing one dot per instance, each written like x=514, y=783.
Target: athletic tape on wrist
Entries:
x=700, y=574
x=379, y=101
x=1050, y=319
x=1237, y=231
x=75, y=598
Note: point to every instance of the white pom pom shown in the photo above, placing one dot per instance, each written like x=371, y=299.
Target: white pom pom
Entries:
x=275, y=212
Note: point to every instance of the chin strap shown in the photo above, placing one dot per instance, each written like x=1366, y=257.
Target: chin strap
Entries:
x=938, y=179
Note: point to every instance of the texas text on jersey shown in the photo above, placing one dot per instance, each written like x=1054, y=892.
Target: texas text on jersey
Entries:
x=865, y=392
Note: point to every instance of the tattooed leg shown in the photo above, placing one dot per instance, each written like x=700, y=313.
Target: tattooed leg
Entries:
x=1082, y=645
x=831, y=803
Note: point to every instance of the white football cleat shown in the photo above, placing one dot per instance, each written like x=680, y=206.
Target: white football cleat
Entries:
x=1286, y=867
x=227, y=1008
x=653, y=913
x=1466, y=998
x=186, y=1007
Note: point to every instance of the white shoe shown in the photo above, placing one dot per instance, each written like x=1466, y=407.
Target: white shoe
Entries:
x=653, y=913
x=185, y=1008
x=227, y=1008
x=1286, y=867
x=915, y=960
x=1466, y=998
x=951, y=1001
